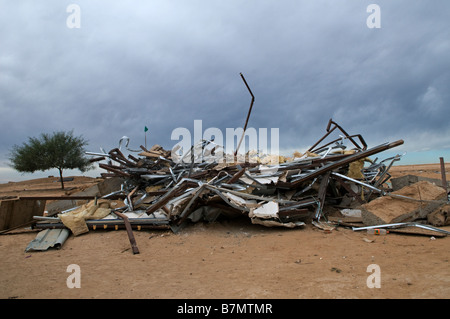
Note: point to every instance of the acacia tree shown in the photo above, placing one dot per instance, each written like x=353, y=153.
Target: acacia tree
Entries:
x=60, y=150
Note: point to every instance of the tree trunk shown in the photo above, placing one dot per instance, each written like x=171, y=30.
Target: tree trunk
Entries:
x=61, y=177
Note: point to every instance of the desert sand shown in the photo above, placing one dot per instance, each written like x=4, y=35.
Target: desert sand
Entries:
x=227, y=259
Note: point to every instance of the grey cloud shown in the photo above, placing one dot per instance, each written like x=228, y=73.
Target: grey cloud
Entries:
x=164, y=64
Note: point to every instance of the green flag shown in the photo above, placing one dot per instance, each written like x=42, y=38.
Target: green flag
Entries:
x=145, y=129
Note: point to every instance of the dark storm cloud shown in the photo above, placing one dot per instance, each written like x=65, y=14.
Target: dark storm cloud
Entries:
x=164, y=64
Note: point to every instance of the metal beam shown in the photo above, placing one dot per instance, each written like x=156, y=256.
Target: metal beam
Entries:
x=348, y=160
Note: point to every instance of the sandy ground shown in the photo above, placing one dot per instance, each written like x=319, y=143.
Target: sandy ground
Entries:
x=228, y=259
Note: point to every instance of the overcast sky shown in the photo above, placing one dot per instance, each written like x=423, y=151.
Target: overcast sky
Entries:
x=165, y=63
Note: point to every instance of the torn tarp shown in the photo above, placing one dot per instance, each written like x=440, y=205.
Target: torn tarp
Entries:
x=75, y=220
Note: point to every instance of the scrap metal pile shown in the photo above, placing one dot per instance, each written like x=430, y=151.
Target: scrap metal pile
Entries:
x=164, y=191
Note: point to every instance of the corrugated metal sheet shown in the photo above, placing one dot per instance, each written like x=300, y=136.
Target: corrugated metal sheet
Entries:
x=48, y=238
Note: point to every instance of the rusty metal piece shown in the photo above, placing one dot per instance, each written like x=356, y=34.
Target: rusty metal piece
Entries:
x=444, y=179
x=349, y=137
x=134, y=247
x=116, y=170
x=348, y=160
x=97, y=159
x=118, y=156
x=319, y=150
x=174, y=192
x=236, y=176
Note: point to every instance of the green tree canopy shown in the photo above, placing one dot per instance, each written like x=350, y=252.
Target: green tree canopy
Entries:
x=60, y=150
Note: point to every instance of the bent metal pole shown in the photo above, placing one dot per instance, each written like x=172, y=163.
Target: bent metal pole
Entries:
x=248, y=115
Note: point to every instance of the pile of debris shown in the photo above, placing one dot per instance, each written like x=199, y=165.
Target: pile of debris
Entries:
x=162, y=189
x=282, y=194
x=158, y=191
